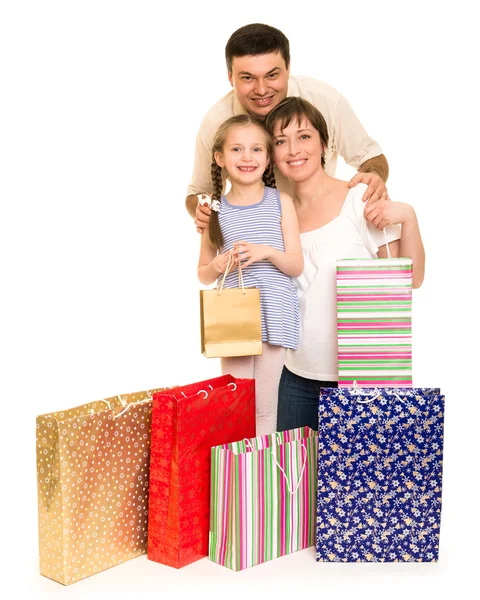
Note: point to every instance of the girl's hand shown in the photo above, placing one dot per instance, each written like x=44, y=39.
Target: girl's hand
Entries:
x=386, y=212
x=244, y=251
x=219, y=263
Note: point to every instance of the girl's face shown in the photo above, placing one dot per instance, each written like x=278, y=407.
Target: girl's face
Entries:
x=297, y=150
x=245, y=155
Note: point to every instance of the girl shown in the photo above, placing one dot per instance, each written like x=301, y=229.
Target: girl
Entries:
x=260, y=226
x=334, y=224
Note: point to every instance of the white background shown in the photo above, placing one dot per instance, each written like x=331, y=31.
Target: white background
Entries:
x=100, y=104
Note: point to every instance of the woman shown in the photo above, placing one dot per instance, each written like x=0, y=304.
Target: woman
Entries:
x=334, y=224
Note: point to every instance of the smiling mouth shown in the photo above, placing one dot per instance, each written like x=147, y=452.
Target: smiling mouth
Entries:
x=265, y=101
x=246, y=169
x=296, y=163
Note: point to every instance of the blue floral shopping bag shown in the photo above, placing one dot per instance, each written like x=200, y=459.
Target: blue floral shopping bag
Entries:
x=380, y=455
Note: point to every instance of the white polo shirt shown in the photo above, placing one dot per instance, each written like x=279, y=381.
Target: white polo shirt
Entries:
x=347, y=136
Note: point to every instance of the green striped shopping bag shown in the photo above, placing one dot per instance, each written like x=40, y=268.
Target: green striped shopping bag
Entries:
x=374, y=321
x=263, y=498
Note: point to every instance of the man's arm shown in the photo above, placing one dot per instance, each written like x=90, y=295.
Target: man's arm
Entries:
x=199, y=212
x=191, y=204
x=360, y=151
x=374, y=173
x=378, y=165
x=201, y=181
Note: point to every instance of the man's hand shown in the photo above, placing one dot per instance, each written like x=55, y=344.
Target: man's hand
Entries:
x=386, y=212
x=376, y=187
x=202, y=214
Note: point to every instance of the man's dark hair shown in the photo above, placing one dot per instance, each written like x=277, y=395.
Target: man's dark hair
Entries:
x=254, y=39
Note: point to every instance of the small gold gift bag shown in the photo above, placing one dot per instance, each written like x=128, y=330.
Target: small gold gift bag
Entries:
x=92, y=473
x=230, y=319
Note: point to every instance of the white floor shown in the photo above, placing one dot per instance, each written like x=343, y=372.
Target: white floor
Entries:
x=296, y=574
x=145, y=578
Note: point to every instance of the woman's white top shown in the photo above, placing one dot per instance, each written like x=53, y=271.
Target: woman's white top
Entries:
x=347, y=236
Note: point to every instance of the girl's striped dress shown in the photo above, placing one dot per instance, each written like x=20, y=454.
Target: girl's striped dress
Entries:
x=261, y=223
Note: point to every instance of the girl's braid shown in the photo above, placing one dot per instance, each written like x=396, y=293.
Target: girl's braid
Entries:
x=214, y=230
x=217, y=182
x=269, y=176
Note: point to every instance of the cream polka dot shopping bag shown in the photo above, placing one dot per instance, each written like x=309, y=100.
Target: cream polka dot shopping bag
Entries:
x=92, y=473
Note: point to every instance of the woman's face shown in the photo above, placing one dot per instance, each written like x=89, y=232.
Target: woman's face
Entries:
x=297, y=150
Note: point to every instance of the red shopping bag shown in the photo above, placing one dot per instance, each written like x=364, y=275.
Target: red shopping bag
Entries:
x=186, y=423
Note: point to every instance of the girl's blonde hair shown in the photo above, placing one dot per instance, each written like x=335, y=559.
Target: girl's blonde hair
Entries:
x=214, y=231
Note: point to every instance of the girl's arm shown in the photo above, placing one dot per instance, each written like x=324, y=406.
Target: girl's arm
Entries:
x=210, y=264
x=410, y=244
x=290, y=261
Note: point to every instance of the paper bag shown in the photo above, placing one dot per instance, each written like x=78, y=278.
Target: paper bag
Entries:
x=230, y=320
x=186, y=423
x=263, y=498
x=380, y=462
x=374, y=321
x=92, y=472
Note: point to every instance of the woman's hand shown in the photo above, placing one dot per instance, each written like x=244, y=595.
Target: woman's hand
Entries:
x=219, y=263
x=250, y=253
x=386, y=212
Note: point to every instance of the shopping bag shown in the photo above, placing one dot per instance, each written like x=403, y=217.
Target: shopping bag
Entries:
x=380, y=456
x=92, y=474
x=374, y=320
x=185, y=425
x=230, y=319
x=263, y=493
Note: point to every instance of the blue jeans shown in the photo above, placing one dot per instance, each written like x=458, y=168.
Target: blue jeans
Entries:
x=298, y=401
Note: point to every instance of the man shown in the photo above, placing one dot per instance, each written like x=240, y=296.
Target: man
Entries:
x=258, y=64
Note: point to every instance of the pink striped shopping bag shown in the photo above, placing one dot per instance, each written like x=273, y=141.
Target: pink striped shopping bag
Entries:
x=263, y=498
x=374, y=320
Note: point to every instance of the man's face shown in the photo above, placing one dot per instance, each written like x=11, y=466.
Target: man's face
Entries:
x=260, y=81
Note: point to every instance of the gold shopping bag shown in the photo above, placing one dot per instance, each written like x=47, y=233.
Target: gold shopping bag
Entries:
x=92, y=475
x=230, y=319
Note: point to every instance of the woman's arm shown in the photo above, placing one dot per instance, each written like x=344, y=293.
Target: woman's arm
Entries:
x=210, y=264
x=410, y=245
x=290, y=261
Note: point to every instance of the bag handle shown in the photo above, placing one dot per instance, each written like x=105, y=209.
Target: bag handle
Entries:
x=128, y=406
x=252, y=449
x=364, y=226
x=375, y=394
x=292, y=492
x=228, y=269
x=205, y=391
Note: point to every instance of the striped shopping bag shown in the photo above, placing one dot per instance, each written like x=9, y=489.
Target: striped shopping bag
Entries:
x=262, y=499
x=374, y=321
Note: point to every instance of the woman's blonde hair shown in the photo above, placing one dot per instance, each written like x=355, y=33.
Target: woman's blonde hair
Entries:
x=214, y=231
